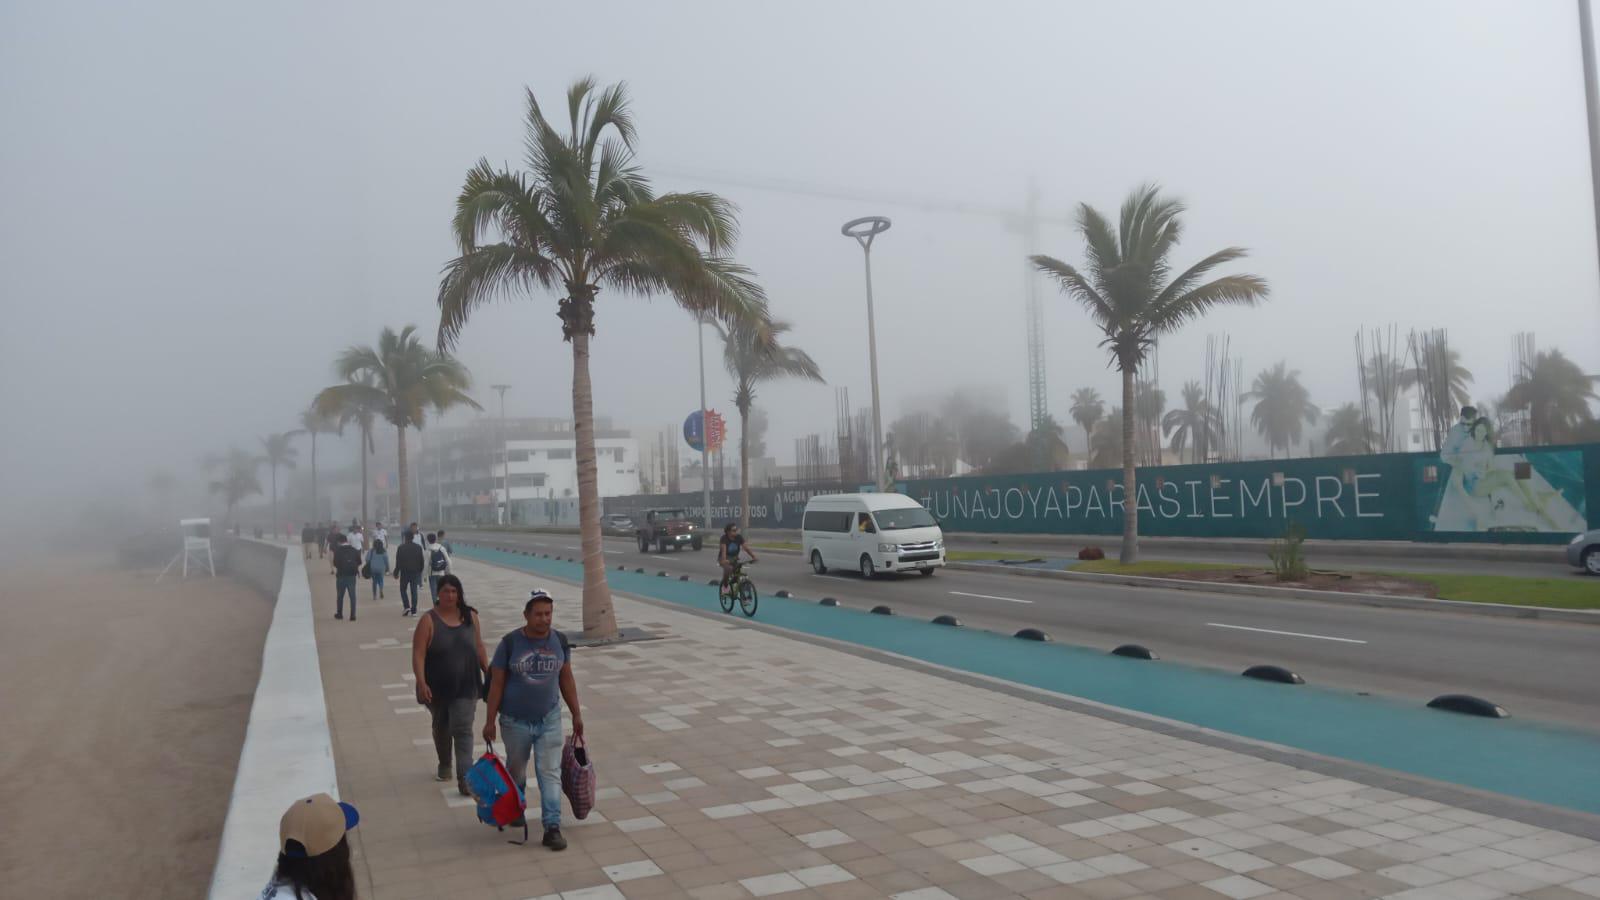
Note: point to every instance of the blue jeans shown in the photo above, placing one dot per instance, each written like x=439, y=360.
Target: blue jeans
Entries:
x=543, y=740
x=377, y=583
x=341, y=584
x=408, y=586
x=433, y=587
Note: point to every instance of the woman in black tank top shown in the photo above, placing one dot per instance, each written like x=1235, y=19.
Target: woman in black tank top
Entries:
x=447, y=659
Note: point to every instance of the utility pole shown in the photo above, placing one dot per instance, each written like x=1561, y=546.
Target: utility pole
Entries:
x=705, y=429
x=503, y=518
x=864, y=230
x=1591, y=108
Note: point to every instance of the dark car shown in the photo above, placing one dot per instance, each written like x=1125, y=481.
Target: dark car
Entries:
x=1584, y=551
x=663, y=528
x=617, y=525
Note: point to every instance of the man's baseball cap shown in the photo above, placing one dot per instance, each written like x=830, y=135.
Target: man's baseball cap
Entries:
x=315, y=825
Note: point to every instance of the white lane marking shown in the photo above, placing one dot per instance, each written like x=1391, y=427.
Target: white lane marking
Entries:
x=1320, y=637
x=572, y=548
x=653, y=556
x=990, y=597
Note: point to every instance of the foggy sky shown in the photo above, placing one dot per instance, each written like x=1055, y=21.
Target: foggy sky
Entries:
x=201, y=204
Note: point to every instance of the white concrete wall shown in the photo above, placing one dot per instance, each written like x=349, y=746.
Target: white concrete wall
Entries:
x=288, y=751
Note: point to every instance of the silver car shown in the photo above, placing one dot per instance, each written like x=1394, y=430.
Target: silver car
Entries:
x=1584, y=551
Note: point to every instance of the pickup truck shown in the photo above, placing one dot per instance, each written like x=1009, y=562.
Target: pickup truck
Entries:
x=663, y=528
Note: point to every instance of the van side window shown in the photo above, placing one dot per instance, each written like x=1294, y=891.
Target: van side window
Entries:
x=864, y=524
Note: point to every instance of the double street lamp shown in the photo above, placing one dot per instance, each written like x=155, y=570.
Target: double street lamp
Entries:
x=864, y=230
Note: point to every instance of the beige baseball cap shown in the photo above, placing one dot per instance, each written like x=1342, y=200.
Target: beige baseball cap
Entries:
x=314, y=825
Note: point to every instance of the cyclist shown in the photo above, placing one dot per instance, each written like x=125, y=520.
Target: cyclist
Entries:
x=728, y=550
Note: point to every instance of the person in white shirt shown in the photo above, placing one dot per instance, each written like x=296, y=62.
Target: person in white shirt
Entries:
x=438, y=563
x=380, y=533
x=313, y=854
x=356, y=539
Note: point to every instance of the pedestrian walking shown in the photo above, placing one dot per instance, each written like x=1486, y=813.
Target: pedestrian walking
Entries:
x=530, y=674
x=357, y=539
x=335, y=538
x=322, y=541
x=377, y=564
x=408, y=565
x=313, y=854
x=448, y=660
x=346, y=572
x=438, y=565
x=380, y=533
x=447, y=548
x=416, y=532
x=308, y=536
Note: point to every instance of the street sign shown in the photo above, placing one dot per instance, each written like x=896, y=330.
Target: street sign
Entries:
x=692, y=430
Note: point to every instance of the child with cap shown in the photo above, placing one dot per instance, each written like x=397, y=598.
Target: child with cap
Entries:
x=313, y=855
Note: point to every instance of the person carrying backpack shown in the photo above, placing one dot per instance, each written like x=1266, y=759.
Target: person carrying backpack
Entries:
x=378, y=565
x=409, y=563
x=346, y=572
x=438, y=565
x=530, y=674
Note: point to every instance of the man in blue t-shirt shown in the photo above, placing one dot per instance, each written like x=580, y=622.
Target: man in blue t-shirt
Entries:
x=530, y=675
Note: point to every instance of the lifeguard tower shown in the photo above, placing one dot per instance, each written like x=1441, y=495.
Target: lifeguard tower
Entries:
x=196, y=543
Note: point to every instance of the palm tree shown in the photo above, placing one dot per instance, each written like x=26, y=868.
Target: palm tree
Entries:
x=584, y=218
x=1556, y=394
x=1348, y=433
x=752, y=352
x=360, y=408
x=1283, y=407
x=238, y=479
x=400, y=379
x=1440, y=379
x=1106, y=441
x=314, y=422
x=1128, y=293
x=1196, y=424
x=1086, y=409
x=277, y=451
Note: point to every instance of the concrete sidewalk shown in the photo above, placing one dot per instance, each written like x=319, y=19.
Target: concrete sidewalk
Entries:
x=735, y=762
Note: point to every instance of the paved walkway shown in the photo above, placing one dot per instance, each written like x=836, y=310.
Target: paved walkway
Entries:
x=737, y=763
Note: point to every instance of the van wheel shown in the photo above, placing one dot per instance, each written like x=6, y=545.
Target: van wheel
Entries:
x=867, y=569
x=697, y=544
x=816, y=563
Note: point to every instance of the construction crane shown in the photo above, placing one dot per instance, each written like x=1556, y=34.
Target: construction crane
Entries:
x=1025, y=222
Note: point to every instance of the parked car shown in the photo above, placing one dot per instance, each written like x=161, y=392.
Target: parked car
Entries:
x=617, y=524
x=871, y=533
x=663, y=528
x=1584, y=551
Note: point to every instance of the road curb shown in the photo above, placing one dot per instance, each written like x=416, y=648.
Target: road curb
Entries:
x=1500, y=610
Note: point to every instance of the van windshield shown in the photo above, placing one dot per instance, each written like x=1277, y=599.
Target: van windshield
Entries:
x=898, y=519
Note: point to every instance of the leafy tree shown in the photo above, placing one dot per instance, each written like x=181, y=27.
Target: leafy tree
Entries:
x=1348, y=433
x=1196, y=425
x=1131, y=293
x=238, y=478
x=360, y=408
x=1086, y=408
x=1105, y=444
x=1283, y=407
x=581, y=218
x=753, y=352
x=1556, y=394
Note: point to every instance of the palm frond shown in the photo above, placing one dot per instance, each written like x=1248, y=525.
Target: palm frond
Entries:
x=1237, y=290
x=1076, y=286
x=483, y=275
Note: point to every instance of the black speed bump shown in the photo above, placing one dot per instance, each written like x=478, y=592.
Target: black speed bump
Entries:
x=947, y=620
x=828, y=601
x=782, y=594
x=1134, y=651
x=882, y=611
x=713, y=582
x=1032, y=634
x=639, y=571
x=683, y=578
x=1468, y=705
x=662, y=574
x=1273, y=673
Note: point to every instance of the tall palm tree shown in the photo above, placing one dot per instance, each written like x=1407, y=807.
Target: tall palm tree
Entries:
x=238, y=478
x=1556, y=394
x=1283, y=407
x=401, y=379
x=1106, y=441
x=1348, y=432
x=359, y=408
x=753, y=352
x=276, y=450
x=1130, y=291
x=582, y=218
x=1086, y=409
x=1196, y=425
x=1440, y=380
x=314, y=422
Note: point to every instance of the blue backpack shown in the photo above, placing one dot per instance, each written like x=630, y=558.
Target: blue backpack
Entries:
x=500, y=801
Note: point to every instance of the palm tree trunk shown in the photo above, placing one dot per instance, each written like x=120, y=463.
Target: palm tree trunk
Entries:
x=366, y=441
x=405, y=505
x=1130, y=503
x=744, y=468
x=599, y=616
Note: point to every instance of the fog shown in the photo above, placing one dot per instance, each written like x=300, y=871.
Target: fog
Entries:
x=201, y=203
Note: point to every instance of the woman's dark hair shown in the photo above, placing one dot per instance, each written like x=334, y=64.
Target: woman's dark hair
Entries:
x=461, y=592
x=377, y=545
x=729, y=527
x=433, y=538
x=325, y=877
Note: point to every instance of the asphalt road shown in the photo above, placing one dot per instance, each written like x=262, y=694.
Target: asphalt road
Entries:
x=1537, y=670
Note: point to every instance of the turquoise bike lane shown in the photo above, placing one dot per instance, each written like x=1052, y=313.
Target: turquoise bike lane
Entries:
x=1543, y=763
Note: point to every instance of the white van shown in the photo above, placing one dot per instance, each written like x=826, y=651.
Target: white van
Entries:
x=871, y=533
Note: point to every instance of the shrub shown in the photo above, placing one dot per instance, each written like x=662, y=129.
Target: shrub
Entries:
x=1091, y=553
x=1288, y=556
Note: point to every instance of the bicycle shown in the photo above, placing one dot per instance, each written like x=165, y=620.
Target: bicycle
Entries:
x=740, y=586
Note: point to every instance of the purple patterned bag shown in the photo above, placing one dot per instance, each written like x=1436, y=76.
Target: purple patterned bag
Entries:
x=577, y=776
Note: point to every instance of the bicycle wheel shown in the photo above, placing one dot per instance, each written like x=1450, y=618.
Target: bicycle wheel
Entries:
x=726, y=599
x=747, y=598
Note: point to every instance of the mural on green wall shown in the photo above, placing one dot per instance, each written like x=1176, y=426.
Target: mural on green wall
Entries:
x=1473, y=489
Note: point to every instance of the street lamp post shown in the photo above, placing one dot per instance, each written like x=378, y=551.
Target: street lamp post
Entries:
x=505, y=459
x=705, y=430
x=864, y=230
